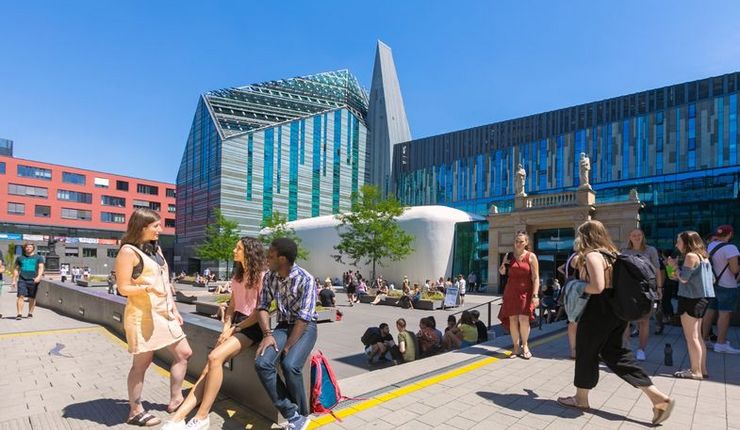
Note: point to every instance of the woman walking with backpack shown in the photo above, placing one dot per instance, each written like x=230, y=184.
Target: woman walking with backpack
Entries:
x=599, y=333
x=637, y=246
x=695, y=288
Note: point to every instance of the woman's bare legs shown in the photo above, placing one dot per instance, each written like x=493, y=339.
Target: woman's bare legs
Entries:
x=181, y=352
x=514, y=329
x=135, y=381
x=524, y=330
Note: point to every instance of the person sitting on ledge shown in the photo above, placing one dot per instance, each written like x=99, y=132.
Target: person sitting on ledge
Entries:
x=381, y=294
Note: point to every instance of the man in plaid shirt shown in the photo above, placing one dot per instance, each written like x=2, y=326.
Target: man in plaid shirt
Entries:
x=290, y=343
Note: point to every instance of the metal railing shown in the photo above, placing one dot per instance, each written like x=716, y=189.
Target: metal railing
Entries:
x=486, y=304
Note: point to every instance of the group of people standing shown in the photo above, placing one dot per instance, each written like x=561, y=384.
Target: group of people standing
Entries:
x=706, y=281
x=152, y=322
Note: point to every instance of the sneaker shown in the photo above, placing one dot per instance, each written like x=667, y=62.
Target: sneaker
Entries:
x=18, y=317
x=725, y=348
x=640, y=355
x=30, y=315
x=174, y=425
x=298, y=422
x=196, y=424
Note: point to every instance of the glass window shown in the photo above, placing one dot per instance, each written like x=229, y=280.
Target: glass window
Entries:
x=119, y=202
x=147, y=189
x=168, y=222
x=16, y=208
x=74, y=196
x=143, y=204
x=89, y=252
x=71, y=252
x=113, y=217
x=43, y=211
x=2, y=167
x=73, y=178
x=122, y=185
x=170, y=192
x=29, y=191
x=171, y=209
x=111, y=252
x=34, y=172
x=76, y=214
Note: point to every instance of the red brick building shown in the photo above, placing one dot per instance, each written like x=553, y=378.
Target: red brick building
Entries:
x=84, y=210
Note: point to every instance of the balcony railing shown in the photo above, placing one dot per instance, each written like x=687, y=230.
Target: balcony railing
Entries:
x=551, y=200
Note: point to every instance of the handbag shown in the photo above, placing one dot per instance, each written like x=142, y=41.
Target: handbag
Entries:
x=575, y=299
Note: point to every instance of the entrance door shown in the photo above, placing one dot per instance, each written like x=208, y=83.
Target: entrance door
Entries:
x=553, y=246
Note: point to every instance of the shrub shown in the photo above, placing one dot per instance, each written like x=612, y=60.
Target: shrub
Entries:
x=97, y=278
x=223, y=298
x=432, y=296
x=395, y=293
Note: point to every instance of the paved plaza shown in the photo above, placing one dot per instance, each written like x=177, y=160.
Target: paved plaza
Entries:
x=57, y=372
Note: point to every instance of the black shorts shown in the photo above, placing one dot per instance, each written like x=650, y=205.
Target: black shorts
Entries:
x=27, y=288
x=351, y=289
x=695, y=308
x=253, y=332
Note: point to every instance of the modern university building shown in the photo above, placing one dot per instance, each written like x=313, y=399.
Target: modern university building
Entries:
x=676, y=145
x=298, y=146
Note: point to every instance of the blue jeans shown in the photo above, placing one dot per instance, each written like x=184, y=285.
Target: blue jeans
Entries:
x=289, y=396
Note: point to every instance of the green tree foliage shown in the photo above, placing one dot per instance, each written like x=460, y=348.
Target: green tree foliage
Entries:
x=221, y=237
x=370, y=233
x=277, y=226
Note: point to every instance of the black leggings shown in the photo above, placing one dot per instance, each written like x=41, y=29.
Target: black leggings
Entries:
x=600, y=336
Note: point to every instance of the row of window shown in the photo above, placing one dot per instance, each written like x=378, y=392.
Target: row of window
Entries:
x=89, y=252
x=43, y=211
x=79, y=179
x=81, y=197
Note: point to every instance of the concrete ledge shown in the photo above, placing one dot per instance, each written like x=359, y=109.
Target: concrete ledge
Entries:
x=240, y=379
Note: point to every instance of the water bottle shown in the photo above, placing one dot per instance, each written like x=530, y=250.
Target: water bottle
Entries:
x=668, y=350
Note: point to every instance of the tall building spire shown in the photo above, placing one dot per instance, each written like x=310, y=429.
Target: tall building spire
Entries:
x=386, y=118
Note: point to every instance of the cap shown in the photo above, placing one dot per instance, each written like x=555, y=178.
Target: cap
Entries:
x=724, y=230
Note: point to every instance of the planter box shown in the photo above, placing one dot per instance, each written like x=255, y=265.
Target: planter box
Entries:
x=428, y=305
x=206, y=308
x=182, y=298
x=82, y=283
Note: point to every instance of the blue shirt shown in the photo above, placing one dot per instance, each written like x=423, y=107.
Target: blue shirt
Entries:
x=700, y=281
x=295, y=295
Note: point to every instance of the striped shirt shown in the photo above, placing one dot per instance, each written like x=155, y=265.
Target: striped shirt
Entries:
x=295, y=295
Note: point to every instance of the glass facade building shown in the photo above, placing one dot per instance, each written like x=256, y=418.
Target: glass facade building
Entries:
x=294, y=146
x=677, y=145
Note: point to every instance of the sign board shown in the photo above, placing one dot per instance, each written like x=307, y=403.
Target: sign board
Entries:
x=451, y=295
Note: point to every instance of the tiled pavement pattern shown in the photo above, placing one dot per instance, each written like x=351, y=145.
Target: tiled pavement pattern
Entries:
x=520, y=394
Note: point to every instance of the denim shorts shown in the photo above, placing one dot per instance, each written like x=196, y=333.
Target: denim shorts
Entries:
x=725, y=300
x=27, y=289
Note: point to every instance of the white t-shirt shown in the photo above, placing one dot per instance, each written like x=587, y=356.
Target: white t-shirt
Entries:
x=461, y=286
x=719, y=261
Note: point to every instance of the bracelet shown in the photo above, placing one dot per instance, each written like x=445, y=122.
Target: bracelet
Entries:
x=267, y=333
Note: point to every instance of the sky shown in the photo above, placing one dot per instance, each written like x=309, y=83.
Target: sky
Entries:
x=113, y=86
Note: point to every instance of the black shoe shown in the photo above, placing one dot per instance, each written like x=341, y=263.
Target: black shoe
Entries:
x=713, y=337
x=30, y=315
x=659, y=329
x=18, y=317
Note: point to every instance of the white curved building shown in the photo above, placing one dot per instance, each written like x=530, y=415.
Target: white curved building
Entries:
x=433, y=228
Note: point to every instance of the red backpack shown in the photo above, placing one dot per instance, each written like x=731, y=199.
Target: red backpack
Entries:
x=325, y=394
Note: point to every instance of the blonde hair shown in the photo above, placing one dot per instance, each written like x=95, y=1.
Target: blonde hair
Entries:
x=592, y=236
x=692, y=242
x=643, y=243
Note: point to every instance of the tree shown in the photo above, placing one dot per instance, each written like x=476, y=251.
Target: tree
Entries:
x=277, y=226
x=221, y=237
x=370, y=233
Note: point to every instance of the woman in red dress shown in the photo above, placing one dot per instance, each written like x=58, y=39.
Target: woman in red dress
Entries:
x=520, y=294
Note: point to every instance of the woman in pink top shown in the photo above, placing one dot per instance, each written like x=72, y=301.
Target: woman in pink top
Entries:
x=239, y=333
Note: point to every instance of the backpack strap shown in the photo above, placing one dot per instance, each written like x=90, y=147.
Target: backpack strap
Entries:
x=711, y=254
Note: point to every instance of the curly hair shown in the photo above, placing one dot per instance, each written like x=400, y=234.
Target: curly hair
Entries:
x=254, y=261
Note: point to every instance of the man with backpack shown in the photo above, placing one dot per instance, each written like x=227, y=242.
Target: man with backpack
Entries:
x=724, y=258
x=377, y=341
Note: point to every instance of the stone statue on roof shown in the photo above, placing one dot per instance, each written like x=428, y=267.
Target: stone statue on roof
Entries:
x=521, y=177
x=584, y=167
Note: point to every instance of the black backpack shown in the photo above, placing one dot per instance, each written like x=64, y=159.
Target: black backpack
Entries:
x=633, y=295
x=371, y=336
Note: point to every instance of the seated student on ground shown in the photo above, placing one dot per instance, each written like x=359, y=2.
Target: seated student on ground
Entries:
x=429, y=343
x=451, y=323
x=377, y=341
x=463, y=334
x=549, y=298
x=482, y=329
x=405, y=350
x=327, y=298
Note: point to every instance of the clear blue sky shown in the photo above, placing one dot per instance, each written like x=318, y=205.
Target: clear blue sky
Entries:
x=113, y=86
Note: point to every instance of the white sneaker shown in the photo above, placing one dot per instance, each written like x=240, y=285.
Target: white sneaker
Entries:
x=640, y=355
x=196, y=424
x=725, y=348
x=174, y=425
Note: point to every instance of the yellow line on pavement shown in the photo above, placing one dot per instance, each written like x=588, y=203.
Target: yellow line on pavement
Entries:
x=46, y=332
x=416, y=386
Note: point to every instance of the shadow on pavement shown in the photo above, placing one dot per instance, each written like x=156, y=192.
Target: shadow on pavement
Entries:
x=533, y=404
x=360, y=360
x=109, y=412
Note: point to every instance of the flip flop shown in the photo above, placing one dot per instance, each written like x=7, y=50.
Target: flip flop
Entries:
x=144, y=419
x=570, y=402
x=660, y=415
